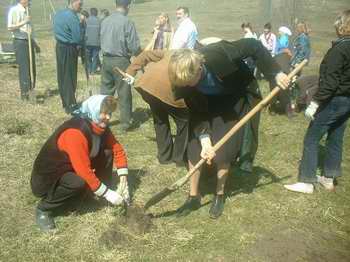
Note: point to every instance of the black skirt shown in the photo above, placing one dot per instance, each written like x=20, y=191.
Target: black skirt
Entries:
x=221, y=119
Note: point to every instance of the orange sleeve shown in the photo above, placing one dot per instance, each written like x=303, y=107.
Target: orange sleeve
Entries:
x=120, y=160
x=74, y=143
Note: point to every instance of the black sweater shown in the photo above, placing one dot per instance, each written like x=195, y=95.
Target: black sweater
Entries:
x=335, y=72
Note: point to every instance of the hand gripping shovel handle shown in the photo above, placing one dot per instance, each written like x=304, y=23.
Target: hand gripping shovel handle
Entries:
x=167, y=191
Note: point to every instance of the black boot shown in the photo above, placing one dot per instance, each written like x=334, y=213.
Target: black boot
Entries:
x=192, y=203
x=44, y=220
x=217, y=206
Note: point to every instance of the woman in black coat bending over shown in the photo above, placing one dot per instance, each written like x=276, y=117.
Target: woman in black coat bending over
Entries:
x=214, y=82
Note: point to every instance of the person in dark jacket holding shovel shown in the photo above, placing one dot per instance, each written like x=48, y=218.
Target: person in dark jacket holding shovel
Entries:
x=329, y=111
x=214, y=82
x=79, y=155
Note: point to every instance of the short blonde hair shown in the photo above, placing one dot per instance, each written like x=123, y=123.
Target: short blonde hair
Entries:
x=184, y=66
x=342, y=23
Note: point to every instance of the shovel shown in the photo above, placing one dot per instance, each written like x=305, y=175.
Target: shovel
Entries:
x=168, y=190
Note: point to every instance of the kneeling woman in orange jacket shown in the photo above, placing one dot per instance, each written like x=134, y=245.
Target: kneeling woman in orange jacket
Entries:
x=78, y=155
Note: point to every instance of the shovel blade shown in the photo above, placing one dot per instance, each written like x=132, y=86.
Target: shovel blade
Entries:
x=158, y=197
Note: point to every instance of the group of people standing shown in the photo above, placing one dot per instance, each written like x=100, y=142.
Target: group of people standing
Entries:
x=288, y=54
x=206, y=88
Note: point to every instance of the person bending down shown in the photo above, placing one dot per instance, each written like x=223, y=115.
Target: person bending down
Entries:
x=214, y=82
x=79, y=155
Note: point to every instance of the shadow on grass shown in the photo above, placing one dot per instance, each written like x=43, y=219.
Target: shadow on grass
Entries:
x=238, y=182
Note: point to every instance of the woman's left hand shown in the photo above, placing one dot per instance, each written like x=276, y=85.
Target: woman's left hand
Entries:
x=282, y=80
x=207, y=152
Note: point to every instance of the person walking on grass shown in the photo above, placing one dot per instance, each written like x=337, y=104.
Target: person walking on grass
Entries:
x=67, y=31
x=79, y=156
x=19, y=23
x=328, y=111
x=119, y=42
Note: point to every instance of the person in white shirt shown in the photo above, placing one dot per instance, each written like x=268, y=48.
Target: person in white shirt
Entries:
x=18, y=22
x=186, y=34
x=268, y=39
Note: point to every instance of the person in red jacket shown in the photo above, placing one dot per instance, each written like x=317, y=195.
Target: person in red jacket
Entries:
x=78, y=155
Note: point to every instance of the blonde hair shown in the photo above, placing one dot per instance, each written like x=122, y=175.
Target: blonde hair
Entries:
x=108, y=105
x=342, y=23
x=184, y=66
x=302, y=28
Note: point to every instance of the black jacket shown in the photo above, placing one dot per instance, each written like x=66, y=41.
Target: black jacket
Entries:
x=225, y=60
x=335, y=72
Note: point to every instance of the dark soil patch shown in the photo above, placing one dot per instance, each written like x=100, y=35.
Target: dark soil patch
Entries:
x=289, y=245
x=114, y=237
x=18, y=127
x=127, y=228
x=137, y=220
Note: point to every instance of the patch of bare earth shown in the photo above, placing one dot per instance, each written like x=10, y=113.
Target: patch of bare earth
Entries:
x=288, y=244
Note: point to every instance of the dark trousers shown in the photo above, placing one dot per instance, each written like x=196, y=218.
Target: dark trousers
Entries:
x=92, y=58
x=330, y=120
x=168, y=150
x=111, y=82
x=69, y=186
x=22, y=59
x=250, y=136
x=67, y=70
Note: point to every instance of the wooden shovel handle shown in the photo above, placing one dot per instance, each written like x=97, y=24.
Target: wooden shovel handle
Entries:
x=236, y=127
x=31, y=71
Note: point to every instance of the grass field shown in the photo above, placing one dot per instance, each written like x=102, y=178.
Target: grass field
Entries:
x=261, y=221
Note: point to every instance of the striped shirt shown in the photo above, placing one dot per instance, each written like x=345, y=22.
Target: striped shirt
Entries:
x=17, y=15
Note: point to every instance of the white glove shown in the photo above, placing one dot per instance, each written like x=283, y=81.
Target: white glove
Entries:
x=282, y=80
x=311, y=110
x=207, y=152
x=129, y=79
x=113, y=197
x=123, y=189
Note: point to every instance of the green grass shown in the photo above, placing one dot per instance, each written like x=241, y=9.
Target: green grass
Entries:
x=261, y=222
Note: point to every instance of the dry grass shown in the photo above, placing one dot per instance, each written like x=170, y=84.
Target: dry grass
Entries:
x=262, y=222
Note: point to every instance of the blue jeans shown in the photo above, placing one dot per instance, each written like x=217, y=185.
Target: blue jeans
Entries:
x=330, y=120
x=93, y=59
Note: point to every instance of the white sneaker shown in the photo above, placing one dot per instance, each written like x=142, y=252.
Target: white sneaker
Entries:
x=301, y=187
x=327, y=183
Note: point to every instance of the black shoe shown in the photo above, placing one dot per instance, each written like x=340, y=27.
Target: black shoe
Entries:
x=192, y=203
x=217, y=206
x=44, y=220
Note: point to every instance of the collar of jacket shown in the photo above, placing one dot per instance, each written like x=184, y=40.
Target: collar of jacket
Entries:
x=217, y=59
x=341, y=40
